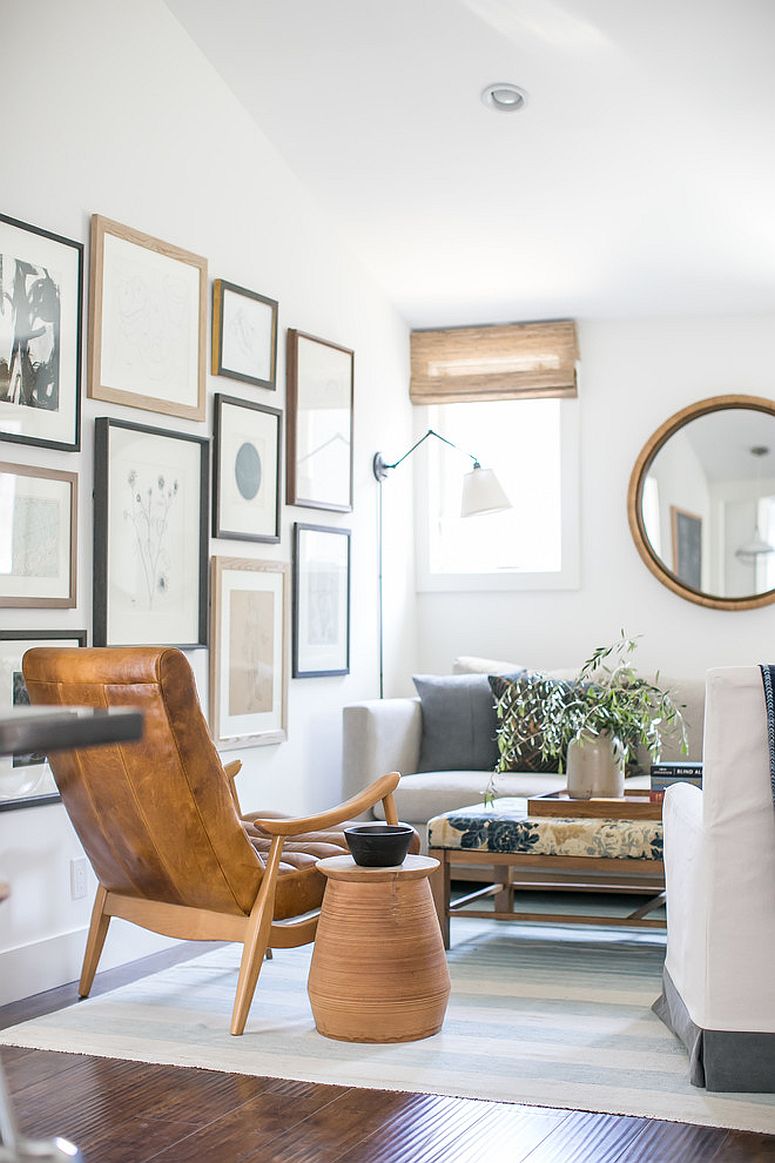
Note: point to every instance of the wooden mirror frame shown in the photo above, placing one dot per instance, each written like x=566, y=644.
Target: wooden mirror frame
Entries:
x=635, y=495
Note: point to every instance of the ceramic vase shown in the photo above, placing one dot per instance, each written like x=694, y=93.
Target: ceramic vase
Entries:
x=595, y=766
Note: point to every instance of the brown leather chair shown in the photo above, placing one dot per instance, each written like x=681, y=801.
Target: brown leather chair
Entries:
x=160, y=823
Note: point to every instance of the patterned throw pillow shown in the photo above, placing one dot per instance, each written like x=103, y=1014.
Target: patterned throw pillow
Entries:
x=520, y=738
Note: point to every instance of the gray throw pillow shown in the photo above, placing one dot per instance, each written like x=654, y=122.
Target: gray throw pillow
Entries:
x=458, y=722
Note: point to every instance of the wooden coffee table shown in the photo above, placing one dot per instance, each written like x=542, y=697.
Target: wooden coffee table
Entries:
x=379, y=972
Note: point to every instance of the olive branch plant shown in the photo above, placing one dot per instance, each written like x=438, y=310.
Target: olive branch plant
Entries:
x=607, y=697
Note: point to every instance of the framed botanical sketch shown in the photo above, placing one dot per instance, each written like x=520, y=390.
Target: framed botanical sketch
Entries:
x=150, y=536
x=249, y=652
x=320, y=423
x=321, y=601
x=38, y=536
x=147, y=312
x=246, y=470
x=26, y=780
x=41, y=294
x=244, y=345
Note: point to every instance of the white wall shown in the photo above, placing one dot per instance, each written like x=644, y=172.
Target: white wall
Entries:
x=633, y=376
x=110, y=108
x=683, y=485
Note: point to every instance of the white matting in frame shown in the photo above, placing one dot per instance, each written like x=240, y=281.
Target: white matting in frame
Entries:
x=147, y=310
x=246, y=496
x=150, y=568
x=249, y=652
x=38, y=536
x=321, y=597
x=26, y=780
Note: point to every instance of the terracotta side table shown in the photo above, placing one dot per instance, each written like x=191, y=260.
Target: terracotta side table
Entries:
x=379, y=972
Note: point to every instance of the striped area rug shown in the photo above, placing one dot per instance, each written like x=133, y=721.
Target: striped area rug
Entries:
x=554, y=1017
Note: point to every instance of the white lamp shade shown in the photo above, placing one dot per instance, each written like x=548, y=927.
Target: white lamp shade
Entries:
x=482, y=493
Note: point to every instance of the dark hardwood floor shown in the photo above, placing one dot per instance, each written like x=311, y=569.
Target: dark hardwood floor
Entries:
x=128, y=1112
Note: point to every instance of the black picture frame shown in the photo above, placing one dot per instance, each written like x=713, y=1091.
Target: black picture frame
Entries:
x=334, y=603
x=32, y=636
x=332, y=448
x=229, y=493
x=66, y=330
x=223, y=360
x=196, y=493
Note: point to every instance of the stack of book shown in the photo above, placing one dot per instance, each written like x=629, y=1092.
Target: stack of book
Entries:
x=665, y=774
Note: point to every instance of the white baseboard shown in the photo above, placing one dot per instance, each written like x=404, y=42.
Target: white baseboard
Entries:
x=41, y=965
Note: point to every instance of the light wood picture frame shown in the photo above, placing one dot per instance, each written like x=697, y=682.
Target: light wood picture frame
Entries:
x=244, y=342
x=321, y=601
x=41, y=304
x=151, y=493
x=147, y=322
x=247, y=447
x=26, y=780
x=249, y=636
x=38, y=537
x=319, y=457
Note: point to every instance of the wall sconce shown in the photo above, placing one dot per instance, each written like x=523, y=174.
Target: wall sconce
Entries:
x=482, y=493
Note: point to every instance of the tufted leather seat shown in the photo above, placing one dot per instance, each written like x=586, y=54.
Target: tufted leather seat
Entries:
x=160, y=823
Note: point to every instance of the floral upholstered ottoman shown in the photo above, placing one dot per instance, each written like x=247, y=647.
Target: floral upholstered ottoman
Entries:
x=610, y=855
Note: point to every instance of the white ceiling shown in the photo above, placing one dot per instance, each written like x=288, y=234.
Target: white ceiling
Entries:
x=639, y=180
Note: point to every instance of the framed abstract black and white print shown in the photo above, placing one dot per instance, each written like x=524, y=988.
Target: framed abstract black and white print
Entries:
x=26, y=780
x=246, y=470
x=244, y=345
x=321, y=601
x=150, y=536
x=41, y=295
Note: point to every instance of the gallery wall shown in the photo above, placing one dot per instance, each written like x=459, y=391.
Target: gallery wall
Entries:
x=126, y=118
x=633, y=375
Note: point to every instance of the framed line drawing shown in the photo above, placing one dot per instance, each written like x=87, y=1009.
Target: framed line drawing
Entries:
x=249, y=652
x=26, y=780
x=246, y=470
x=151, y=491
x=320, y=423
x=38, y=537
x=41, y=297
x=321, y=601
x=244, y=343
x=147, y=322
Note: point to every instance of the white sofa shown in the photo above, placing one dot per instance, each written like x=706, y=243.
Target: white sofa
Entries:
x=383, y=735
x=719, y=982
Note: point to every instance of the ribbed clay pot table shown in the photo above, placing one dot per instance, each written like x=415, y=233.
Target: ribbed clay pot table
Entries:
x=379, y=972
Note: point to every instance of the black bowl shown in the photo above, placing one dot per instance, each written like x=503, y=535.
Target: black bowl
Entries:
x=379, y=845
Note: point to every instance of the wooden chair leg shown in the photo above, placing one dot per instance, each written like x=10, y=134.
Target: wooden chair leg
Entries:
x=98, y=931
x=256, y=939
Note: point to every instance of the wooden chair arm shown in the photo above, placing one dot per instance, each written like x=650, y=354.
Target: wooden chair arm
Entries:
x=231, y=771
x=381, y=789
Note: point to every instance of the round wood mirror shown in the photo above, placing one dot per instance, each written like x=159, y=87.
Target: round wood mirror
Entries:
x=701, y=502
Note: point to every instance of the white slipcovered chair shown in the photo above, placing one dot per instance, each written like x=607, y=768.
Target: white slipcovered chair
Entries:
x=719, y=980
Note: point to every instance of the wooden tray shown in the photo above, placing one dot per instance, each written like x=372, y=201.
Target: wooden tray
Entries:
x=636, y=804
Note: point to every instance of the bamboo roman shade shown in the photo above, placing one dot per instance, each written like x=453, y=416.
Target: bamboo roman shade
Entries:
x=506, y=361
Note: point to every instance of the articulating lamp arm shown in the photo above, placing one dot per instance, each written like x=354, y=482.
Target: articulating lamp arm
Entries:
x=381, y=468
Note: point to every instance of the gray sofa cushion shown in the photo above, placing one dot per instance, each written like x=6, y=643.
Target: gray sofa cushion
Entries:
x=458, y=723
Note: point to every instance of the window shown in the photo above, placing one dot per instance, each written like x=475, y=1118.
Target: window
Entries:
x=532, y=445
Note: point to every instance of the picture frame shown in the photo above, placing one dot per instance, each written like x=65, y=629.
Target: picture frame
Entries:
x=321, y=601
x=151, y=493
x=319, y=460
x=249, y=652
x=246, y=470
x=686, y=531
x=244, y=341
x=41, y=303
x=38, y=537
x=147, y=322
x=26, y=780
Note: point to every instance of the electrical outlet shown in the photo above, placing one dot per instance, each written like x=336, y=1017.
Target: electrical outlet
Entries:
x=79, y=871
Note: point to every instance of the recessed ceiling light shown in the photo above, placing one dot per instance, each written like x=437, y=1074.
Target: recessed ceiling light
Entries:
x=504, y=97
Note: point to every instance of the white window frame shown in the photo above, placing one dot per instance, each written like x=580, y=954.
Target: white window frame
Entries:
x=568, y=577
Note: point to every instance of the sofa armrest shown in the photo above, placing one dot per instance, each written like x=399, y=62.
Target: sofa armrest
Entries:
x=685, y=879
x=379, y=735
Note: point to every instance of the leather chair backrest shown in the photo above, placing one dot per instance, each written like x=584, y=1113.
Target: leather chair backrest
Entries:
x=155, y=816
